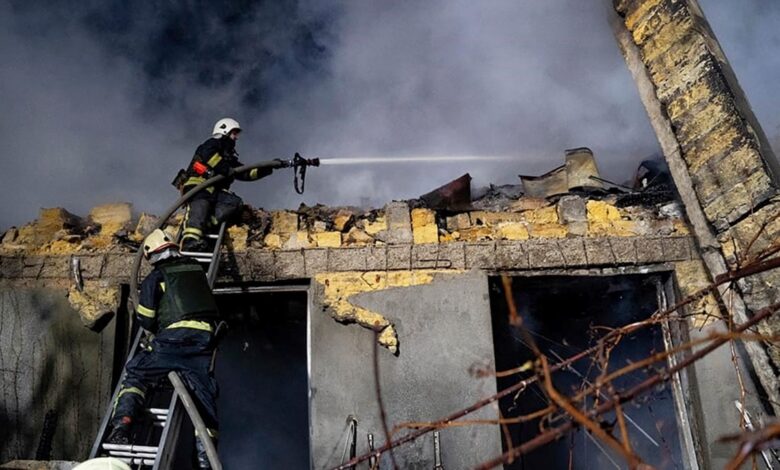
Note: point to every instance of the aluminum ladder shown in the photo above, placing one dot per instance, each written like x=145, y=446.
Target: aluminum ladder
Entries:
x=159, y=429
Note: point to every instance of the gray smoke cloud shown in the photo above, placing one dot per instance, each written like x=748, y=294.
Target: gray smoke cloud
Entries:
x=104, y=101
x=748, y=33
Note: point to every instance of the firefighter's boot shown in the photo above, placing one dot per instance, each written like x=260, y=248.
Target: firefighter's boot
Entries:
x=120, y=434
x=194, y=245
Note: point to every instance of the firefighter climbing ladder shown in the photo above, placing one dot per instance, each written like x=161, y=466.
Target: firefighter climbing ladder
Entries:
x=160, y=431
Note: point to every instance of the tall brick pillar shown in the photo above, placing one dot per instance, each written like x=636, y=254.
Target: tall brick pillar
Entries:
x=719, y=156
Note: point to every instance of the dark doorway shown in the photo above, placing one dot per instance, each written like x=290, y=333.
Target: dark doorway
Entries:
x=563, y=315
x=263, y=379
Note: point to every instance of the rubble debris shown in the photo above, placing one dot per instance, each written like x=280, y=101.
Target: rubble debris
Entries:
x=497, y=213
x=653, y=172
x=10, y=236
x=343, y=220
x=550, y=184
x=673, y=210
x=122, y=238
x=328, y=239
x=653, y=184
x=379, y=224
x=528, y=203
x=299, y=240
x=358, y=237
x=605, y=218
x=237, y=236
x=284, y=222
x=320, y=226
x=95, y=304
x=145, y=225
x=580, y=170
x=513, y=231
x=458, y=222
x=572, y=209
x=399, y=228
x=259, y=225
x=496, y=198
x=273, y=241
x=453, y=196
x=309, y=215
x=647, y=197
x=109, y=220
x=424, y=228
x=112, y=217
x=571, y=215
x=48, y=225
x=492, y=219
x=573, y=176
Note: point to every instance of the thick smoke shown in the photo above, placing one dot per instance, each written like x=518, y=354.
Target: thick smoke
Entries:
x=748, y=33
x=104, y=100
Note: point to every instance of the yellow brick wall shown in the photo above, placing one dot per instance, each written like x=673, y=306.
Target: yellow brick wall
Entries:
x=731, y=166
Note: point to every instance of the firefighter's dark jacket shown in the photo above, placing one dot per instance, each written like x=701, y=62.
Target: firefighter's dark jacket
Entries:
x=220, y=157
x=176, y=294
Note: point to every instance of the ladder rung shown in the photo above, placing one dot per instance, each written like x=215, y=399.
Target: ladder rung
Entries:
x=137, y=461
x=134, y=455
x=130, y=448
x=213, y=236
x=158, y=414
x=198, y=254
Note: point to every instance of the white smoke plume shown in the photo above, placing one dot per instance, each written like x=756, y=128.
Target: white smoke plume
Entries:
x=105, y=100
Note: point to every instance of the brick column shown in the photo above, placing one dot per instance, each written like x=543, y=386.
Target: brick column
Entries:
x=720, y=158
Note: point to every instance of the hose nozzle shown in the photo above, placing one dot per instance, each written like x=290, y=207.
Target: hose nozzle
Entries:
x=298, y=160
x=299, y=165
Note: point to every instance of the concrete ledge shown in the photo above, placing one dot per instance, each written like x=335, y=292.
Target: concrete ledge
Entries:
x=274, y=265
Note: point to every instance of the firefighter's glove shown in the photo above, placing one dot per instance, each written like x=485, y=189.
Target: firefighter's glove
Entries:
x=146, y=342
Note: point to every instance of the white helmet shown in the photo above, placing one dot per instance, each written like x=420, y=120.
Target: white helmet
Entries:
x=103, y=463
x=156, y=242
x=224, y=126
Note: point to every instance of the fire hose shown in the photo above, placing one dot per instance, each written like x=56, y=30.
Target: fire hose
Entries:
x=297, y=163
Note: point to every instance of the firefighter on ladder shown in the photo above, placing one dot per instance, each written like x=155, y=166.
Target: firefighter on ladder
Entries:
x=177, y=305
x=215, y=204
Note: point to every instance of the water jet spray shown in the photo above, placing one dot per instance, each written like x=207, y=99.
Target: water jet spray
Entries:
x=411, y=159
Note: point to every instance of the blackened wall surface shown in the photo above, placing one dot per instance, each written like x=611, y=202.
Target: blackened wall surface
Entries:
x=446, y=329
x=50, y=362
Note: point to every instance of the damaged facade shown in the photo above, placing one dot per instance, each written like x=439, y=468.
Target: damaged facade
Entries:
x=355, y=261
x=414, y=276
x=348, y=250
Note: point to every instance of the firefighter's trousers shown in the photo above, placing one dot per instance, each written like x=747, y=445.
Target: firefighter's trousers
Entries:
x=209, y=208
x=184, y=350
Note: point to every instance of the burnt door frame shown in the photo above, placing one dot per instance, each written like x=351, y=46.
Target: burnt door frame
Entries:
x=686, y=397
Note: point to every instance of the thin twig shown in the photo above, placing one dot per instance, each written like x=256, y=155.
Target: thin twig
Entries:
x=657, y=317
x=432, y=426
x=583, y=420
x=750, y=442
x=635, y=391
x=758, y=233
